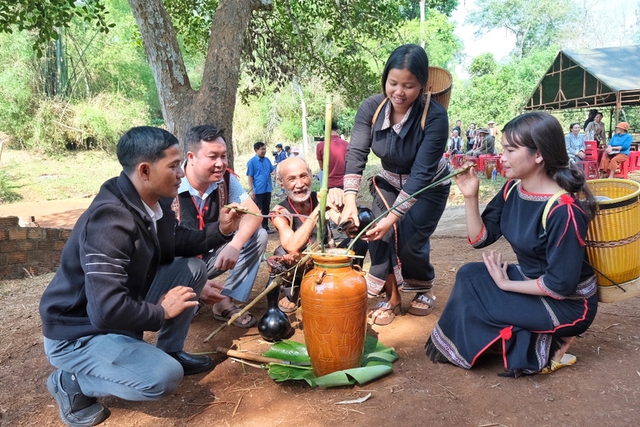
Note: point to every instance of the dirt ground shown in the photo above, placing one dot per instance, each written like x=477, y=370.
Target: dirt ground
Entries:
x=602, y=389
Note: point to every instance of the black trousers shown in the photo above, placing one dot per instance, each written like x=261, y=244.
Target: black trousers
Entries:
x=263, y=200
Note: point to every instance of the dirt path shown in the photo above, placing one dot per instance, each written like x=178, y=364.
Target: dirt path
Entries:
x=602, y=389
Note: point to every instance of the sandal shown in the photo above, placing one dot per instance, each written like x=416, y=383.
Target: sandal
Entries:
x=423, y=304
x=385, y=313
x=245, y=321
x=286, y=306
x=554, y=365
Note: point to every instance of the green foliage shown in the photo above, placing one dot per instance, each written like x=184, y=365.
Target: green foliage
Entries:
x=43, y=17
x=534, y=23
x=501, y=94
x=7, y=192
x=16, y=76
x=411, y=8
x=483, y=64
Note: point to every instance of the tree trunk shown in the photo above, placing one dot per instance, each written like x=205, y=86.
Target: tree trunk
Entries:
x=303, y=108
x=215, y=101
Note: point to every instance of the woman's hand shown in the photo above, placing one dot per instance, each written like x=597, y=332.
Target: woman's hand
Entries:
x=380, y=228
x=350, y=210
x=468, y=182
x=497, y=268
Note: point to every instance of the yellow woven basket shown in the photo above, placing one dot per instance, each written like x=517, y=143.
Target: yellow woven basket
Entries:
x=439, y=84
x=613, y=237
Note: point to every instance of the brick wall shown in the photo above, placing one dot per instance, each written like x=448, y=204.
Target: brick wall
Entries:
x=28, y=251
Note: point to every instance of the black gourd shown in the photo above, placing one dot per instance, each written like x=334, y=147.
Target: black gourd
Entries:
x=274, y=325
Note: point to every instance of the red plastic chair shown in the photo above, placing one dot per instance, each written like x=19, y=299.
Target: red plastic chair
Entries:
x=623, y=170
x=634, y=161
x=591, y=150
x=590, y=168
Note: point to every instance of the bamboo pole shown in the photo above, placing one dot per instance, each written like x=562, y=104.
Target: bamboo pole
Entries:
x=324, y=189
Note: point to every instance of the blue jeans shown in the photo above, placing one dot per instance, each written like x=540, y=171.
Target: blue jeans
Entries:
x=242, y=277
x=118, y=365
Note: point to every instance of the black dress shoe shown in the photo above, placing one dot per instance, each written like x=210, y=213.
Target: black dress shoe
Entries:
x=76, y=409
x=191, y=363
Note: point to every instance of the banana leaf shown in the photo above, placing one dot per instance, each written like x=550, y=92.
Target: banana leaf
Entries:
x=377, y=361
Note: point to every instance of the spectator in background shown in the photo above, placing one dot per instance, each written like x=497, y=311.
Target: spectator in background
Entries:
x=574, y=141
x=337, y=154
x=287, y=151
x=471, y=136
x=493, y=131
x=595, y=130
x=295, y=152
x=485, y=143
x=617, y=152
x=280, y=153
x=458, y=127
x=259, y=170
x=455, y=143
x=592, y=115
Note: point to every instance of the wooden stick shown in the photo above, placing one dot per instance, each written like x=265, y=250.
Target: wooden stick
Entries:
x=248, y=356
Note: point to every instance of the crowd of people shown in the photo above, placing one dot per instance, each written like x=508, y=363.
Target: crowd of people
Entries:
x=145, y=254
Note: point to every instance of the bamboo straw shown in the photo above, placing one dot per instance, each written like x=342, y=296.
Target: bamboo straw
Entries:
x=433, y=184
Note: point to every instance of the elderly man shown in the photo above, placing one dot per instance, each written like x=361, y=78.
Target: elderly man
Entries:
x=123, y=271
x=485, y=144
x=207, y=186
x=297, y=232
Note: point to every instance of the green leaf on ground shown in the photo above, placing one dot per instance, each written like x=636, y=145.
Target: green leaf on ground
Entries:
x=377, y=361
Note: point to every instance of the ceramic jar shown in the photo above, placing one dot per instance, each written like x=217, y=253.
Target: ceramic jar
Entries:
x=334, y=306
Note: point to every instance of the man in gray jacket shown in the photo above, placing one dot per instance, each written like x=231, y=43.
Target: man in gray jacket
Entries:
x=124, y=270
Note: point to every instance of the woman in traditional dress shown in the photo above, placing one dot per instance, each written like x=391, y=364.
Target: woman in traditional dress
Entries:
x=532, y=310
x=409, y=134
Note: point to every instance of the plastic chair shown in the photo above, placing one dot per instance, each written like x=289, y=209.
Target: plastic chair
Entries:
x=634, y=161
x=591, y=150
x=590, y=169
x=623, y=170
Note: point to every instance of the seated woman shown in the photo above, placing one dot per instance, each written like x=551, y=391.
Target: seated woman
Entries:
x=617, y=151
x=532, y=310
x=574, y=141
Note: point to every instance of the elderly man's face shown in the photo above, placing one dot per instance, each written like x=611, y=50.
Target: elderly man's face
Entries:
x=296, y=179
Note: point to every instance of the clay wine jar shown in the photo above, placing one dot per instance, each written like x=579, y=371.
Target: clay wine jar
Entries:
x=334, y=304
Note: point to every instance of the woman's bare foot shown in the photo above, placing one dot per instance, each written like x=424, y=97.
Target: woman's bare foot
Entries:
x=567, y=341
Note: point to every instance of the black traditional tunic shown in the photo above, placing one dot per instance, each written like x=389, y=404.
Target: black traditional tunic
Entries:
x=411, y=159
x=478, y=313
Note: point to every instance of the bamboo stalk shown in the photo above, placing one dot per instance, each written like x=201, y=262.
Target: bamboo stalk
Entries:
x=383, y=214
x=324, y=189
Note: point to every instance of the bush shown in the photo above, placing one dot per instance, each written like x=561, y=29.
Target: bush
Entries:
x=7, y=195
x=96, y=123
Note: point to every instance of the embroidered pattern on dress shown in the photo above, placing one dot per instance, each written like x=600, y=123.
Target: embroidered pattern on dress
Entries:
x=544, y=288
x=448, y=349
x=352, y=183
x=374, y=285
x=402, y=208
x=530, y=196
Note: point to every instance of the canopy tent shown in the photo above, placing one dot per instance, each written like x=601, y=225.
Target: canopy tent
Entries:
x=590, y=78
